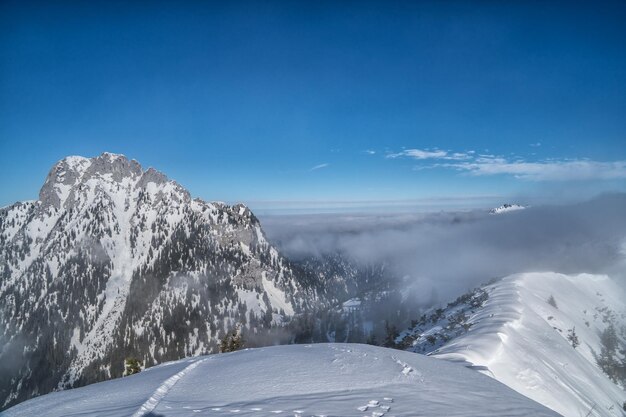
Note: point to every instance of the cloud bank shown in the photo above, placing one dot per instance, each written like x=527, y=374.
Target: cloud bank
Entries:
x=443, y=254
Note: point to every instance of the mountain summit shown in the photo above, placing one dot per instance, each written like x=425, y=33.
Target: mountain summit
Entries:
x=115, y=261
x=505, y=208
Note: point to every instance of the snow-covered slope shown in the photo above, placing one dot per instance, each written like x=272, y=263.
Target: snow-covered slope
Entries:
x=511, y=332
x=115, y=261
x=297, y=380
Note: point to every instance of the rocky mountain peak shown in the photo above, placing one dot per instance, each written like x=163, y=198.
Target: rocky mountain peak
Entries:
x=117, y=165
x=76, y=175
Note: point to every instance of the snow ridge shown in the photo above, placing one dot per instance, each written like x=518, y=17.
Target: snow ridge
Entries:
x=518, y=332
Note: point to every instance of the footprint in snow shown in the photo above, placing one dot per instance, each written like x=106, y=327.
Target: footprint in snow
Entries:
x=376, y=404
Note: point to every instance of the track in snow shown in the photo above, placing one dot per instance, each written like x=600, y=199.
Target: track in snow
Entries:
x=163, y=389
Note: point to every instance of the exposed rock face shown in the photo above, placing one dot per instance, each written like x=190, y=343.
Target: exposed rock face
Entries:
x=113, y=261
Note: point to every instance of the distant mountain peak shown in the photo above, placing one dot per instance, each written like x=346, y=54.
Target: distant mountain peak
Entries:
x=506, y=208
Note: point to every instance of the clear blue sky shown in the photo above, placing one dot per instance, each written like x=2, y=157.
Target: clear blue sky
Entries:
x=269, y=101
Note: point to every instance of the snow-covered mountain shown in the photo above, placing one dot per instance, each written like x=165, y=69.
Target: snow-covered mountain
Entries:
x=114, y=261
x=296, y=380
x=505, y=208
x=558, y=339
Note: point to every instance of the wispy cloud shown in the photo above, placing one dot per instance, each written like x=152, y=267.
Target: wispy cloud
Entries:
x=548, y=170
x=320, y=166
x=483, y=164
x=369, y=152
x=535, y=145
x=422, y=154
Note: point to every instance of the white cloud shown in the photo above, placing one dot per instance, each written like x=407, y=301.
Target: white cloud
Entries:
x=481, y=164
x=458, y=156
x=320, y=166
x=550, y=170
x=369, y=152
x=429, y=154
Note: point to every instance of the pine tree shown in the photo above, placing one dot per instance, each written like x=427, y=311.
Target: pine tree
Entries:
x=573, y=337
x=390, y=337
x=131, y=366
x=552, y=301
x=608, y=359
x=232, y=341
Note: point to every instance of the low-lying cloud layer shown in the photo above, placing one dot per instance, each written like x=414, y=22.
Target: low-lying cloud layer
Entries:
x=446, y=253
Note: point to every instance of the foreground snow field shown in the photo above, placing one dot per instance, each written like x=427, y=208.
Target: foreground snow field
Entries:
x=521, y=340
x=294, y=380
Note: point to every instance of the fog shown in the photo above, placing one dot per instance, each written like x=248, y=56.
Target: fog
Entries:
x=443, y=254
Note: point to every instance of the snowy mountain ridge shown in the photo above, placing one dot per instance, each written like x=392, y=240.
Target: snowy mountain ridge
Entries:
x=114, y=261
x=538, y=333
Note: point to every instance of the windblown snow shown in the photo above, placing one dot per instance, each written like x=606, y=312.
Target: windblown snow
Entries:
x=295, y=380
x=521, y=339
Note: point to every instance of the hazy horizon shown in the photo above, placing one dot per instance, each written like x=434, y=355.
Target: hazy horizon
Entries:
x=543, y=193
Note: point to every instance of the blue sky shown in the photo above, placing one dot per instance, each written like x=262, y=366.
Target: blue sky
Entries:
x=323, y=104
